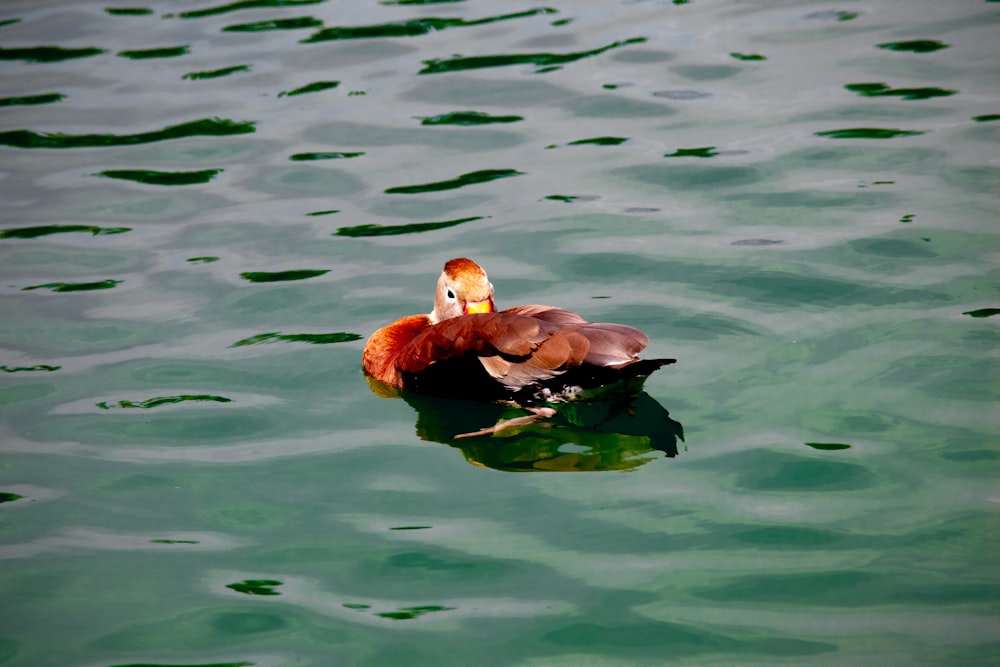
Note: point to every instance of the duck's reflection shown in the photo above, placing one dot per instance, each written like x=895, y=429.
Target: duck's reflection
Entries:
x=609, y=435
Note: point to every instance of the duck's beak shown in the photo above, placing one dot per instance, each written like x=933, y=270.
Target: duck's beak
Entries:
x=484, y=306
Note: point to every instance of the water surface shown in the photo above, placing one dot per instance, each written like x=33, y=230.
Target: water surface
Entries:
x=208, y=207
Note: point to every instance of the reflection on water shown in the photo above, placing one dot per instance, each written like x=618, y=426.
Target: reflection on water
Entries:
x=413, y=28
x=580, y=436
x=203, y=128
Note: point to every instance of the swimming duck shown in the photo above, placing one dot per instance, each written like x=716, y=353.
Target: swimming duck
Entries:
x=532, y=354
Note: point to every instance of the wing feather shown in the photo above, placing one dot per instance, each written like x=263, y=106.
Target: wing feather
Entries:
x=613, y=344
x=524, y=345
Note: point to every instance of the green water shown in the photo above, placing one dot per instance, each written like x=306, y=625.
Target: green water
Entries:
x=208, y=207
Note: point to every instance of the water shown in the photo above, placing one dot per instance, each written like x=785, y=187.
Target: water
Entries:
x=208, y=207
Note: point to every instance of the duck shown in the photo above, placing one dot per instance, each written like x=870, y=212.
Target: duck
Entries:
x=526, y=355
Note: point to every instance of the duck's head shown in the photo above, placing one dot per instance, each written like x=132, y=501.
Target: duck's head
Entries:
x=462, y=289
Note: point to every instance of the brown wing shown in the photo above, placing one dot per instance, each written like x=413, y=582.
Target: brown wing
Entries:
x=483, y=334
x=609, y=344
x=524, y=345
x=612, y=344
x=566, y=318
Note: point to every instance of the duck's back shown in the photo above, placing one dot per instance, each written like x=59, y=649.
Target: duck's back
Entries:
x=527, y=353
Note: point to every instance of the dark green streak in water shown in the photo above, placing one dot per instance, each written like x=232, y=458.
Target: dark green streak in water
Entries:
x=203, y=127
x=747, y=56
x=310, y=88
x=882, y=90
x=305, y=157
x=282, y=276
x=915, y=45
x=543, y=60
x=329, y=212
x=162, y=177
x=256, y=586
x=468, y=118
x=409, y=613
x=276, y=24
x=9, y=22
x=986, y=118
x=599, y=141
x=165, y=541
x=39, y=367
x=214, y=664
x=983, y=312
x=9, y=497
x=245, y=4
x=412, y=28
x=45, y=98
x=409, y=528
x=166, y=400
x=146, y=54
x=312, y=339
x=708, y=151
x=216, y=73
x=128, y=11
x=566, y=199
x=47, y=54
x=202, y=260
x=35, y=232
x=827, y=446
x=471, y=178
x=868, y=133
x=395, y=230
x=418, y=2
x=75, y=287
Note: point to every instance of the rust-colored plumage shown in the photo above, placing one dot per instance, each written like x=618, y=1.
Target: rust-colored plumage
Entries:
x=465, y=348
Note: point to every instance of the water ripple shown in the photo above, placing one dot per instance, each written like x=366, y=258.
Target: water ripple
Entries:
x=168, y=178
x=95, y=540
x=217, y=73
x=128, y=11
x=47, y=230
x=359, y=231
x=275, y=24
x=47, y=54
x=468, y=118
x=883, y=90
x=240, y=5
x=162, y=52
x=472, y=178
x=282, y=276
x=312, y=339
x=76, y=287
x=206, y=127
x=314, y=87
x=868, y=133
x=546, y=62
x=31, y=100
x=413, y=27
x=157, y=401
x=915, y=46
x=308, y=157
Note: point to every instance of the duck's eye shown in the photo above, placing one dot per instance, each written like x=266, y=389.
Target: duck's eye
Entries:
x=451, y=295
